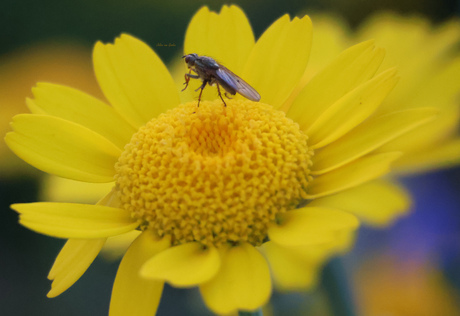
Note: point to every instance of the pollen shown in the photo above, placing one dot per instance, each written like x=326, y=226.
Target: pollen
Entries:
x=214, y=174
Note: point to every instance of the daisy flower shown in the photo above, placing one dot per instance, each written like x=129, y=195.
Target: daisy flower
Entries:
x=66, y=63
x=431, y=79
x=429, y=65
x=221, y=196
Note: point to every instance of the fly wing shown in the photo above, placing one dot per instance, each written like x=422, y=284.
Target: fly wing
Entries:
x=236, y=83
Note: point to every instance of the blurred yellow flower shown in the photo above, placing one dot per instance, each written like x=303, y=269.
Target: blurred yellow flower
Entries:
x=66, y=63
x=428, y=60
x=218, y=193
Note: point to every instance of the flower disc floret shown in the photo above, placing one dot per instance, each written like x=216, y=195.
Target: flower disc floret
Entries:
x=214, y=174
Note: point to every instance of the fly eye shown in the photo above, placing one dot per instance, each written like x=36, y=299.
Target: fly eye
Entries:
x=187, y=59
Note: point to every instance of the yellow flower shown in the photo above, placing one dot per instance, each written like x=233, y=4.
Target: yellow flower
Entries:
x=429, y=65
x=66, y=63
x=219, y=193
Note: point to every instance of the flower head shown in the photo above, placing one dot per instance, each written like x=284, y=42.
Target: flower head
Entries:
x=246, y=163
x=66, y=63
x=219, y=193
x=429, y=65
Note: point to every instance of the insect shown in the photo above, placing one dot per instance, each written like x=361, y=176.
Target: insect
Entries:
x=211, y=72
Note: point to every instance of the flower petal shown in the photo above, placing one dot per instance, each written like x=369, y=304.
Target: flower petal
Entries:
x=111, y=199
x=297, y=267
x=441, y=156
x=63, y=148
x=33, y=107
x=432, y=133
x=242, y=283
x=351, y=109
x=131, y=294
x=420, y=51
x=57, y=189
x=290, y=272
x=134, y=79
x=226, y=36
x=115, y=247
x=82, y=109
x=67, y=220
x=73, y=260
x=376, y=203
x=184, y=265
x=350, y=69
x=279, y=59
x=369, y=136
x=352, y=174
x=311, y=225
x=343, y=241
x=440, y=89
x=329, y=40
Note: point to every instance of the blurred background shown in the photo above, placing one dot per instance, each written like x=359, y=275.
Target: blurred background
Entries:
x=410, y=268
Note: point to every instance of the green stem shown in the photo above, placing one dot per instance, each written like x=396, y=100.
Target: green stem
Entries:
x=338, y=289
x=254, y=313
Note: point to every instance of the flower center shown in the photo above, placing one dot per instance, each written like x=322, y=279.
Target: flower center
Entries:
x=214, y=174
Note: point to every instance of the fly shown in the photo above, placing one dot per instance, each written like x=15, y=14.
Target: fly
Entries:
x=211, y=72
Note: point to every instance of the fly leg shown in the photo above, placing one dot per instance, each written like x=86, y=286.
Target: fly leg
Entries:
x=201, y=87
x=187, y=78
x=220, y=94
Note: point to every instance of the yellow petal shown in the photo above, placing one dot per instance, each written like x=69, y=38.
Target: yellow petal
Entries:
x=419, y=51
x=82, y=109
x=57, y=189
x=342, y=242
x=369, y=136
x=401, y=38
x=216, y=35
x=444, y=155
x=242, y=283
x=134, y=79
x=279, y=59
x=33, y=107
x=290, y=272
x=184, y=265
x=351, y=175
x=226, y=36
x=297, y=267
x=429, y=135
x=115, y=247
x=63, y=148
x=329, y=40
x=440, y=89
x=349, y=70
x=376, y=203
x=73, y=260
x=67, y=220
x=311, y=225
x=131, y=294
x=351, y=109
x=111, y=199
x=395, y=33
